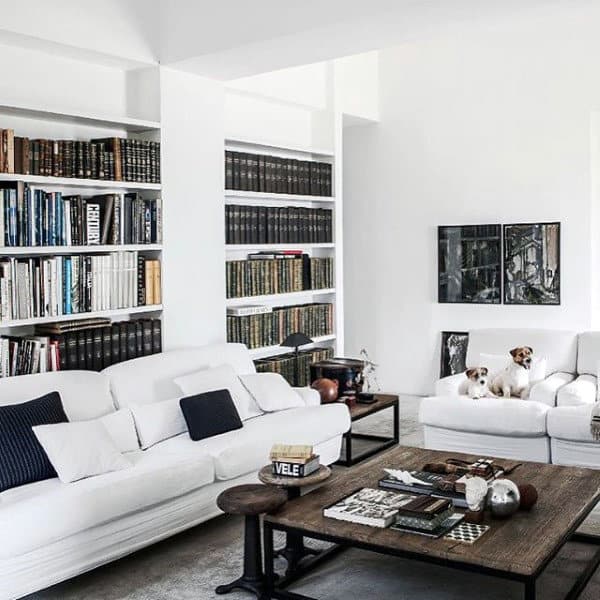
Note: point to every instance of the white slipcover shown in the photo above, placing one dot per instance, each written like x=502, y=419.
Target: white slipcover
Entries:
x=588, y=354
x=578, y=392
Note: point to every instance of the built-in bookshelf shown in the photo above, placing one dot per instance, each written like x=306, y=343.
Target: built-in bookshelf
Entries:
x=80, y=231
x=266, y=210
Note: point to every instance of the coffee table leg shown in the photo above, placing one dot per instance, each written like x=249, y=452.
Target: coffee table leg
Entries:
x=530, y=589
x=294, y=550
x=252, y=579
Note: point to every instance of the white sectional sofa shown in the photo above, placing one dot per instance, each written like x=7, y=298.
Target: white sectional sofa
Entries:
x=52, y=531
x=553, y=425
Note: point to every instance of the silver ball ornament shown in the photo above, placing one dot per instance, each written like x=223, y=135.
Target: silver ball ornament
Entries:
x=503, y=498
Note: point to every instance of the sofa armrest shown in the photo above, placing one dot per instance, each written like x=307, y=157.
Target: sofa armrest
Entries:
x=546, y=391
x=453, y=385
x=311, y=397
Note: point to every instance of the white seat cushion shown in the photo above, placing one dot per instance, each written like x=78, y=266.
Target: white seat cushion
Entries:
x=571, y=423
x=245, y=450
x=496, y=416
x=581, y=391
x=40, y=513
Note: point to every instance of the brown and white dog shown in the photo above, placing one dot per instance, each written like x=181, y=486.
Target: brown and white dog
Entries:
x=477, y=386
x=514, y=380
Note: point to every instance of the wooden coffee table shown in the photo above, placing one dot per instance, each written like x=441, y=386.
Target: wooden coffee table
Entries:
x=518, y=549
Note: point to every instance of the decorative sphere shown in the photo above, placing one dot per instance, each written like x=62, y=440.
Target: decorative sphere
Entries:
x=327, y=388
x=503, y=498
x=529, y=496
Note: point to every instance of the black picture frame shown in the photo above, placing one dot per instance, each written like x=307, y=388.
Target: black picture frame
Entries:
x=470, y=264
x=531, y=264
x=453, y=354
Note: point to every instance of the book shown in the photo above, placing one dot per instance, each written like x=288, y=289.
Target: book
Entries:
x=426, y=524
x=368, y=506
x=242, y=311
x=279, y=451
x=442, y=529
x=288, y=467
x=425, y=507
x=285, y=364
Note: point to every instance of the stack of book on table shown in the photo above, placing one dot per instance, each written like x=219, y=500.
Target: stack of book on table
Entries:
x=427, y=515
x=293, y=460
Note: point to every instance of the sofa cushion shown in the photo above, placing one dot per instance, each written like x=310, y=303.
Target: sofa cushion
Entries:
x=580, y=391
x=85, y=394
x=150, y=378
x=121, y=428
x=22, y=458
x=221, y=378
x=80, y=449
x=560, y=347
x=545, y=391
x=59, y=510
x=588, y=353
x=496, y=416
x=158, y=421
x=272, y=392
x=209, y=414
x=245, y=450
x=570, y=423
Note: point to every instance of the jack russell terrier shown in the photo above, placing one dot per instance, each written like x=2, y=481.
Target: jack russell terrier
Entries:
x=477, y=386
x=514, y=380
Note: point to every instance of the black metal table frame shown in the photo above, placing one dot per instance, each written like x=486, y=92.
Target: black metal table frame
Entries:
x=275, y=588
x=386, y=442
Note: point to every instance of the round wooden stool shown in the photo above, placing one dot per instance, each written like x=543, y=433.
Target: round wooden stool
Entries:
x=251, y=501
x=294, y=550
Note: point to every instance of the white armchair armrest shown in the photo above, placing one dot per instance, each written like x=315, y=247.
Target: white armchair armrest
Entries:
x=311, y=397
x=454, y=385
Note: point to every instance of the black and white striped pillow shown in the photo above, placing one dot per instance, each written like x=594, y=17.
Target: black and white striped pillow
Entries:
x=22, y=458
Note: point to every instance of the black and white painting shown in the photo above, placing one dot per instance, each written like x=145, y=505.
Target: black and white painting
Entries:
x=454, y=352
x=469, y=264
x=532, y=263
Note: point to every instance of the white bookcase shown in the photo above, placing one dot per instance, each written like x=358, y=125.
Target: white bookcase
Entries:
x=333, y=249
x=41, y=123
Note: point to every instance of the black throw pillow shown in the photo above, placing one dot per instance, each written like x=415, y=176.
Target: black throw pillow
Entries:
x=210, y=414
x=22, y=458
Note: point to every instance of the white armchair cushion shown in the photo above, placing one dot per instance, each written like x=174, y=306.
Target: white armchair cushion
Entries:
x=495, y=416
x=158, y=421
x=453, y=385
x=545, y=391
x=80, y=449
x=221, y=378
x=272, y=392
x=311, y=397
x=581, y=391
x=570, y=423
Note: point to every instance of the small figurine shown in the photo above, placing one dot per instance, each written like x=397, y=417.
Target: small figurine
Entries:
x=369, y=373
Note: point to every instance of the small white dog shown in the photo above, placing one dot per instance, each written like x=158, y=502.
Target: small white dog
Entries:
x=477, y=386
x=514, y=380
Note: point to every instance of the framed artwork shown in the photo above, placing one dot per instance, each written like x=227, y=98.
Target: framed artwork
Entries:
x=454, y=352
x=469, y=264
x=532, y=263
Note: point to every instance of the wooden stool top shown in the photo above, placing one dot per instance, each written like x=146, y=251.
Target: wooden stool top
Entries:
x=266, y=476
x=251, y=499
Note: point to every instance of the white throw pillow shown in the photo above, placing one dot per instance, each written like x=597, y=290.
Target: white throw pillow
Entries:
x=220, y=378
x=121, y=428
x=158, y=421
x=272, y=392
x=497, y=362
x=80, y=449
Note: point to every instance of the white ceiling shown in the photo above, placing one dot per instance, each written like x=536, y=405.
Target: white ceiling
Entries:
x=228, y=39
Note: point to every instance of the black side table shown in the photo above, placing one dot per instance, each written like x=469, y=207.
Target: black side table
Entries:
x=251, y=501
x=373, y=443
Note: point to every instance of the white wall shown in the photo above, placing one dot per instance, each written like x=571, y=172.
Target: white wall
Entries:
x=479, y=126
x=192, y=177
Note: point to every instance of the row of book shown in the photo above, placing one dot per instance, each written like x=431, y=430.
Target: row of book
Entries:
x=63, y=285
x=34, y=217
x=91, y=345
x=285, y=364
x=277, y=175
x=113, y=158
x=261, y=274
x=271, y=326
x=277, y=225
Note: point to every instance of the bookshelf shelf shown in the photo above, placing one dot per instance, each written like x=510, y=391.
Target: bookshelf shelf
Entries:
x=282, y=298
x=303, y=247
x=52, y=250
x=276, y=350
x=233, y=143
x=79, y=118
x=135, y=310
x=74, y=182
x=262, y=196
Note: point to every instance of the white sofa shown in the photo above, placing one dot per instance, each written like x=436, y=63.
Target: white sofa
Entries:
x=52, y=531
x=514, y=428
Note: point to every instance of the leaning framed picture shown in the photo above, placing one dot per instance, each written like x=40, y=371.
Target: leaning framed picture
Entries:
x=532, y=263
x=453, y=357
x=469, y=264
